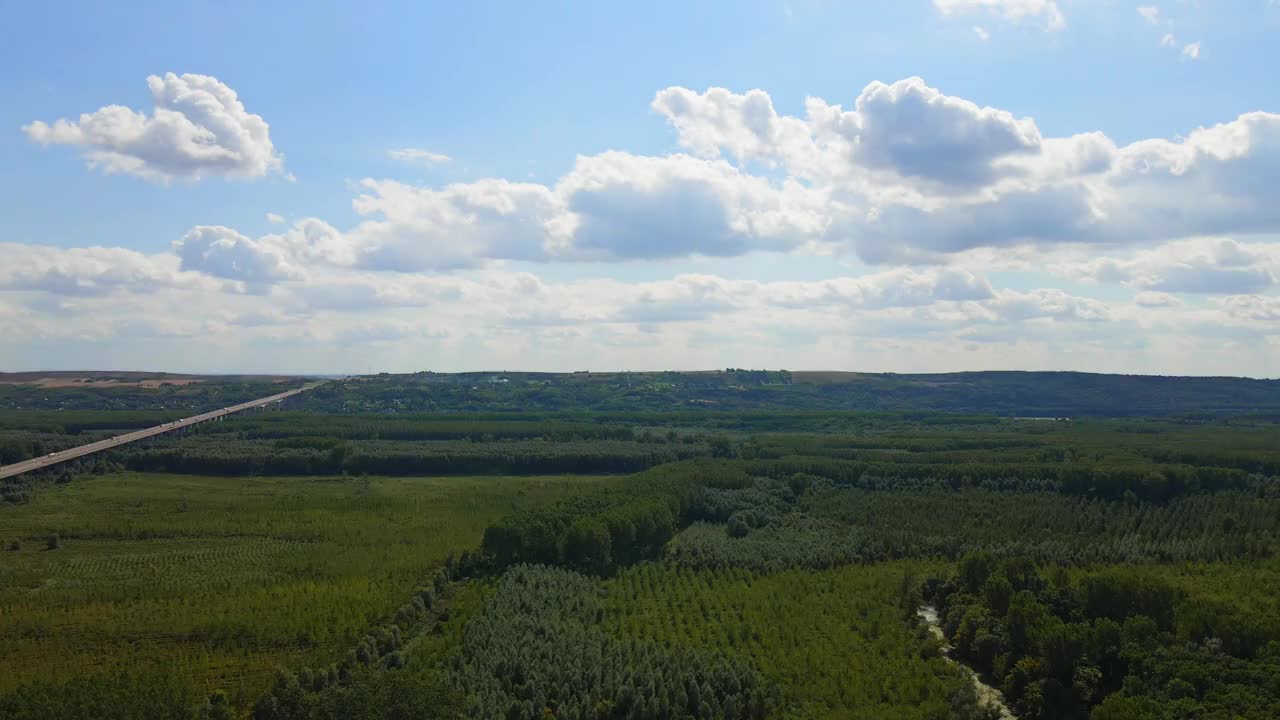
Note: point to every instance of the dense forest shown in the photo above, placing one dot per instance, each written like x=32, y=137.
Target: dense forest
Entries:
x=588, y=561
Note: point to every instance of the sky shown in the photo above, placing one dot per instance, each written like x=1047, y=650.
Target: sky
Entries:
x=916, y=186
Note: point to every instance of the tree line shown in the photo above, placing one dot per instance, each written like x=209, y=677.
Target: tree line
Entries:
x=1108, y=645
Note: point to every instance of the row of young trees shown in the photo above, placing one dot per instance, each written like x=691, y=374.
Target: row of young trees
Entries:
x=332, y=691
x=1155, y=483
x=152, y=696
x=613, y=527
x=419, y=427
x=214, y=455
x=539, y=648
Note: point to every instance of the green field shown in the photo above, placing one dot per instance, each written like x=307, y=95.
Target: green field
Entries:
x=225, y=579
x=836, y=640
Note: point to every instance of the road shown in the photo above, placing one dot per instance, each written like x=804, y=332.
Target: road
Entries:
x=125, y=439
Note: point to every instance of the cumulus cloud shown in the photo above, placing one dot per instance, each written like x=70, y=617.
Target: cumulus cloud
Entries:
x=418, y=156
x=908, y=176
x=627, y=206
x=612, y=206
x=1015, y=11
x=91, y=271
x=223, y=252
x=226, y=253
x=744, y=126
x=907, y=129
x=904, y=234
x=916, y=131
x=937, y=185
x=1210, y=182
x=199, y=128
x=1191, y=51
x=412, y=228
x=1149, y=13
x=982, y=34
x=1198, y=265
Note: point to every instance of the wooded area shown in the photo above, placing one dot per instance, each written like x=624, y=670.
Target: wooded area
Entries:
x=696, y=564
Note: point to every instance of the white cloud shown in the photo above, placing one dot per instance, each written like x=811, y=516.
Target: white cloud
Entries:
x=275, y=219
x=627, y=206
x=613, y=206
x=894, y=288
x=222, y=252
x=1213, y=181
x=906, y=129
x=416, y=155
x=909, y=176
x=900, y=320
x=982, y=34
x=225, y=253
x=91, y=271
x=1198, y=265
x=1191, y=51
x=1168, y=40
x=411, y=228
x=915, y=131
x=1253, y=308
x=198, y=128
x=1011, y=10
x=1149, y=13
x=1154, y=299
x=745, y=126
x=1048, y=303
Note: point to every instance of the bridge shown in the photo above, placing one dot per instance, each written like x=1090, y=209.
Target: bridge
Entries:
x=114, y=442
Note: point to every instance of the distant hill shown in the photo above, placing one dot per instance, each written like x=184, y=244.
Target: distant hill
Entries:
x=1010, y=394
x=120, y=378
x=1054, y=394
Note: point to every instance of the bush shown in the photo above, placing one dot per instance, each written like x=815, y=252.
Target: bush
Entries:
x=54, y=542
x=13, y=545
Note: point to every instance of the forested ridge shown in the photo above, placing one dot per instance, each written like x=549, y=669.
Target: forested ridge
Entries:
x=1008, y=394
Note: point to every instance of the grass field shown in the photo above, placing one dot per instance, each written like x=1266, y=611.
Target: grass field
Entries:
x=226, y=579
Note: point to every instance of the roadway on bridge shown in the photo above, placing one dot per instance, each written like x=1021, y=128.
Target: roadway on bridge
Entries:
x=125, y=439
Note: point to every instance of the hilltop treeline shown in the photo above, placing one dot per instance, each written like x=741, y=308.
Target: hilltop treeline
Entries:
x=169, y=397
x=1010, y=394
x=1007, y=394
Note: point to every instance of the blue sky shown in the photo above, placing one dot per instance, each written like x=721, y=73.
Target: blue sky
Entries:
x=593, y=224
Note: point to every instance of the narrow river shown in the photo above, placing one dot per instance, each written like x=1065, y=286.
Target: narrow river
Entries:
x=986, y=694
